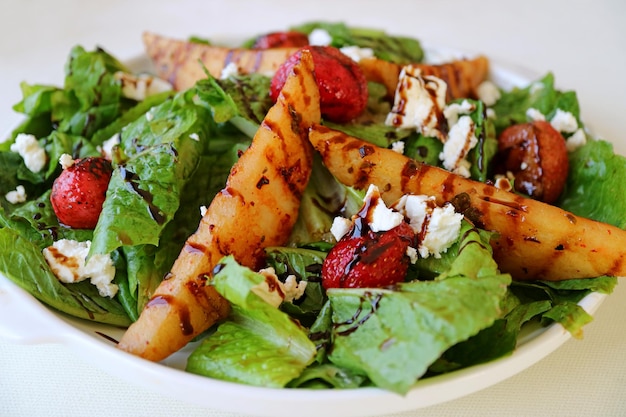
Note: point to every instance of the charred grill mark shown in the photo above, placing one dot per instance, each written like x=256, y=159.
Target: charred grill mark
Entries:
x=262, y=181
x=194, y=247
x=410, y=170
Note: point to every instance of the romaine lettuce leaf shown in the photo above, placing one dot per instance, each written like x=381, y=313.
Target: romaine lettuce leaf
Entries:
x=394, y=336
x=22, y=262
x=595, y=186
x=398, y=49
x=161, y=154
x=243, y=100
x=258, y=344
x=541, y=95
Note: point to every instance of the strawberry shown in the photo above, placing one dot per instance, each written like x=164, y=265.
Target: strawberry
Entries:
x=78, y=193
x=342, y=84
x=281, y=40
x=369, y=260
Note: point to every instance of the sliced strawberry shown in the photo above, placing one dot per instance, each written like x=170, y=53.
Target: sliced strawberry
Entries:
x=342, y=84
x=371, y=260
x=79, y=192
x=281, y=40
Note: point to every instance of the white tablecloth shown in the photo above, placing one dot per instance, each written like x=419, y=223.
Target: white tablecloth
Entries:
x=582, y=42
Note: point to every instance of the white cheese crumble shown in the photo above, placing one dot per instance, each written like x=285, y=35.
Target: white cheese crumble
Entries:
x=320, y=37
x=67, y=261
x=108, y=145
x=66, y=160
x=461, y=139
x=194, y=136
x=293, y=289
x=203, y=210
x=28, y=148
x=444, y=227
x=535, y=115
x=382, y=218
x=230, y=70
x=438, y=227
x=398, y=147
x=488, y=93
x=16, y=196
x=274, y=292
x=340, y=227
x=564, y=121
x=138, y=87
x=418, y=102
x=453, y=111
x=356, y=53
x=576, y=140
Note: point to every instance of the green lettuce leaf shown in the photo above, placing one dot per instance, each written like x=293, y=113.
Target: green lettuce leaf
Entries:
x=541, y=95
x=258, y=344
x=161, y=155
x=394, y=336
x=595, y=186
x=23, y=263
x=398, y=49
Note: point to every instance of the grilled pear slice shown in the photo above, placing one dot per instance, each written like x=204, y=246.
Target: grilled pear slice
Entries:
x=534, y=240
x=257, y=208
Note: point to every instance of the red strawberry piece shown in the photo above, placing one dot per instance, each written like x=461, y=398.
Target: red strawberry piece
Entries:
x=342, y=84
x=281, y=40
x=79, y=192
x=371, y=260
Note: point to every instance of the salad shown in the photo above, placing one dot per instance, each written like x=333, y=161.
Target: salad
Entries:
x=110, y=174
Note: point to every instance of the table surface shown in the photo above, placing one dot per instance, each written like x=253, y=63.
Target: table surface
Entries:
x=583, y=43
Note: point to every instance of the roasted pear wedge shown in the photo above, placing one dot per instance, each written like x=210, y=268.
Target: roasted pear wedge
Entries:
x=534, y=240
x=462, y=76
x=257, y=208
x=181, y=63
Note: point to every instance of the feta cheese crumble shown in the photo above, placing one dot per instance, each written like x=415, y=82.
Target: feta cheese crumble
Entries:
x=356, y=53
x=381, y=217
x=230, y=70
x=576, y=140
x=320, y=37
x=108, y=145
x=437, y=227
x=488, y=93
x=534, y=115
x=340, y=227
x=398, y=147
x=418, y=103
x=66, y=259
x=461, y=139
x=274, y=292
x=16, y=196
x=564, y=121
x=66, y=160
x=28, y=148
x=138, y=87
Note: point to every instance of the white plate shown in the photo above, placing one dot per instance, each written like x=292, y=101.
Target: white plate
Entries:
x=23, y=319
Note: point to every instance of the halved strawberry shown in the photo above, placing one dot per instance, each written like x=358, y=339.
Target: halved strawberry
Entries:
x=79, y=192
x=342, y=84
x=369, y=260
x=281, y=40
